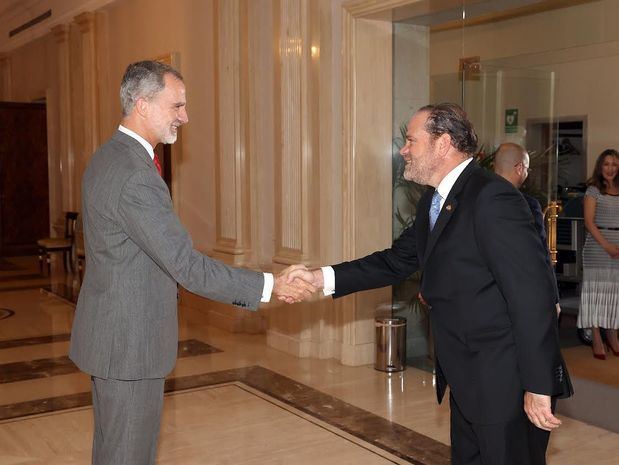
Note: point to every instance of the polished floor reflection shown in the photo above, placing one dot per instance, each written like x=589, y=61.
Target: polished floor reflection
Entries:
x=230, y=398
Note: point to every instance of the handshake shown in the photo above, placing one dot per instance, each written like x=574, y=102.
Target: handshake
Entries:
x=296, y=283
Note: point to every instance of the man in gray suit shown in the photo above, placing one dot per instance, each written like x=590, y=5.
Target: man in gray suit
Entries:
x=125, y=331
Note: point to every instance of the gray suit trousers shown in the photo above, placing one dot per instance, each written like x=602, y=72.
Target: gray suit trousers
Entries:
x=127, y=419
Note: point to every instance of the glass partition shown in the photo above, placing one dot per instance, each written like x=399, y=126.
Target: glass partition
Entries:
x=437, y=58
x=516, y=105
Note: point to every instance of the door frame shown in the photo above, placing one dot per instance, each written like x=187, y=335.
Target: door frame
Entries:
x=367, y=90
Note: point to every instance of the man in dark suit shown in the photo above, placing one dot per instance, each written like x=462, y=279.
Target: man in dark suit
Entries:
x=511, y=161
x=125, y=331
x=488, y=287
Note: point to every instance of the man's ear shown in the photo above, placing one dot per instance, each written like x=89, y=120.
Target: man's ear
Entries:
x=444, y=143
x=519, y=167
x=141, y=106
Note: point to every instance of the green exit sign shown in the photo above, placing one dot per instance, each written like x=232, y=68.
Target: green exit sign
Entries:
x=511, y=120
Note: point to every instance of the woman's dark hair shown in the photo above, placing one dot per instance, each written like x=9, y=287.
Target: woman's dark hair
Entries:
x=597, y=179
x=449, y=118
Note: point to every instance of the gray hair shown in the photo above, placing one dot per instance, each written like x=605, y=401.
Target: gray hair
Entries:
x=143, y=79
x=451, y=119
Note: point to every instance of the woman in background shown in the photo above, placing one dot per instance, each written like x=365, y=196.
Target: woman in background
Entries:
x=599, y=301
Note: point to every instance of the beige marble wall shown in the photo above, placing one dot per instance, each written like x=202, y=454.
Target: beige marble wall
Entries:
x=286, y=157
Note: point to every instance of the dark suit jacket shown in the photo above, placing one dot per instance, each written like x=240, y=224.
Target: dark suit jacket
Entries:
x=487, y=282
x=538, y=222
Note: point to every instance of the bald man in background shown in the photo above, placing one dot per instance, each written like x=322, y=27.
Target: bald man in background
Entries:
x=511, y=161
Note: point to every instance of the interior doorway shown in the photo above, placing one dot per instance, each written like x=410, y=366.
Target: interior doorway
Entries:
x=569, y=135
x=24, y=193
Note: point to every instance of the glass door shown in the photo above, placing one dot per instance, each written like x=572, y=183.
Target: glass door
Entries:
x=438, y=58
x=517, y=105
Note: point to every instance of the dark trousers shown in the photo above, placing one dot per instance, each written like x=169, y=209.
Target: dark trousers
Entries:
x=127, y=418
x=515, y=442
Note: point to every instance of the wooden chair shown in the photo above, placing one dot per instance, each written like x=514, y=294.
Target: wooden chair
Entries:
x=59, y=244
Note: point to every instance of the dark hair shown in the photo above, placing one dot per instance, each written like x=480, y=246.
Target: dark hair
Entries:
x=143, y=79
x=449, y=118
x=597, y=179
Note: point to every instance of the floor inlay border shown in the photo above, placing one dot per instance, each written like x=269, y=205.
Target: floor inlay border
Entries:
x=68, y=294
x=56, y=366
x=31, y=341
x=315, y=421
x=396, y=439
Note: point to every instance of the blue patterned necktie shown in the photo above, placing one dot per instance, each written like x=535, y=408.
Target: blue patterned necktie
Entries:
x=435, y=208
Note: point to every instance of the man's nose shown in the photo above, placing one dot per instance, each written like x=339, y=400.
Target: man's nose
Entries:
x=183, y=116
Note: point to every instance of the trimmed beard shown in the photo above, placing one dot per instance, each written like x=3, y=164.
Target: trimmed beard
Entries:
x=420, y=171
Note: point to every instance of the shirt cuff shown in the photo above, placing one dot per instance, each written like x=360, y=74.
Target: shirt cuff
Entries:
x=328, y=277
x=267, y=289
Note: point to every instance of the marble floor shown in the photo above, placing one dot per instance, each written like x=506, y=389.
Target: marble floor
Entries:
x=231, y=399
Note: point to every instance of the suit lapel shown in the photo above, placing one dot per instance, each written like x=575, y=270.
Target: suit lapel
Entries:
x=448, y=210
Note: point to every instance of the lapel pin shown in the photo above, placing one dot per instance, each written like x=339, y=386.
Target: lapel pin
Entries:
x=448, y=207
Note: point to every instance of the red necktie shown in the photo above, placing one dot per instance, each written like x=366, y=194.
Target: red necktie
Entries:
x=158, y=165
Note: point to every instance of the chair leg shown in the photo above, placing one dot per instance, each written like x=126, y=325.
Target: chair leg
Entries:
x=41, y=260
x=80, y=270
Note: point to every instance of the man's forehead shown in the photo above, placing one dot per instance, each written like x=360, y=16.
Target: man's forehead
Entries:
x=174, y=90
x=173, y=83
x=417, y=122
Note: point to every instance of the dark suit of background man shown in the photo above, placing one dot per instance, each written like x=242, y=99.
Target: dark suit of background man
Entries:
x=488, y=286
x=125, y=332
x=511, y=161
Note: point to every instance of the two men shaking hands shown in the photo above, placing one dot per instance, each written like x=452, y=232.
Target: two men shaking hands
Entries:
x=298, y=283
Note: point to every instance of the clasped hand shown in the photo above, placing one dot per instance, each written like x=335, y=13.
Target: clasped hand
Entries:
x=296, y=283
x=612, y=250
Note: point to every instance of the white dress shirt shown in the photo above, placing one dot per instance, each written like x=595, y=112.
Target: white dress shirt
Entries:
x=267, y=288
x=443, y=189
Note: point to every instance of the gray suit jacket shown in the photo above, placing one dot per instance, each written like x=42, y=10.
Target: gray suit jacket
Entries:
x=125, y=325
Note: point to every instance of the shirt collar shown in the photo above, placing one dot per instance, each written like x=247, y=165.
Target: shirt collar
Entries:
x=448, y=181
x=140, y=139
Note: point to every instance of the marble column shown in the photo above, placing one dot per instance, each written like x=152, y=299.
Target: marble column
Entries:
x=233, y=163
x=87, y=36
x=297, y=118
x=235, y=209
x=65, y=141
x=296, y=156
